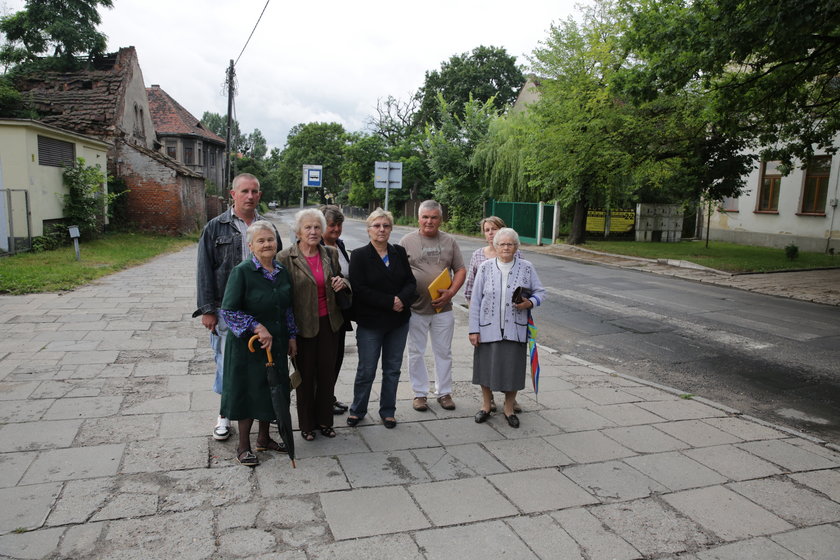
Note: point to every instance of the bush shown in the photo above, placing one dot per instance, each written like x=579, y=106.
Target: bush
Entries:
x=792, y=252
x=85, y=203
x=55, y=236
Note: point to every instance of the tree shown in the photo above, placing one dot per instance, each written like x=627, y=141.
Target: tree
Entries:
x=361, y=153
x=450, y=147
x=313, y=144
x=770, y=69
x=483, y=74
x=216, y=123
x=85, y=204
x=65, y=27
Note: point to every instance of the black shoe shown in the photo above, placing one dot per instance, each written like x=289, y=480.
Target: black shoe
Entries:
x=481, y=416
x=389, y=423
x=352, y=421
x=512, y=420
x=339, y=408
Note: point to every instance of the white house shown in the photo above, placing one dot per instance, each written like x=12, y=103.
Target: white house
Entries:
x=777, y=210
x=32, y=156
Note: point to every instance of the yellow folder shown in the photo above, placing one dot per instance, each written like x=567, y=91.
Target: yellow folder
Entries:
x=442, y=282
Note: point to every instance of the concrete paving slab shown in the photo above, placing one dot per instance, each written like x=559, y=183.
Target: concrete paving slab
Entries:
x=458, y=461
x=246, y=543
x=561, y=399
x=75, y=463
x=160, y=405
x=797, y=505
x=24, y=410
x=606, y=395
x=203, y=401
x=189, y=533
x=545, y=537
x=177, y=425
x=13, y=465
x=732, y=462
x=347, y=440
x=759, y=548
x=613, y=480
x=118, y=429
x=682, y=409
x=13, y=391
x=367, y=512
x=627, y=414
x=126, y=506
x=453, y=502
x=83, y=407
x=383, y=469
x=744, y=429
x=812, y=543
x=79, y=500
x=196, y=488
x=288, y=512
x=589, y=447
x=651, y=527
x=152, y=456
x=161, y=369
x=827, y=482
x=645, y=439
x=596, y=542
x=35, y=544
x=79, y=541
x=456, y=431
x=90, y=357
x=527, y=454
x=675, y=471
x=373, y=548
x=697, y=433
x=312, y=475
x=576, y=419
x=788, y=456
x=651, y=394
x=404, y=436
x=541, y=490
x=31, y=506
x=473, y=542
x=727, y=514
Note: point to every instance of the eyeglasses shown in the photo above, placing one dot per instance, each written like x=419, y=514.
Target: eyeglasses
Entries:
x=506, y=245
x=380, y=226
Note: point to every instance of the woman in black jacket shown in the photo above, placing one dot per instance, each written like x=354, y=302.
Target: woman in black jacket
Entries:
x=383, y=290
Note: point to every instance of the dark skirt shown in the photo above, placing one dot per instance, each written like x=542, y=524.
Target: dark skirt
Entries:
x=500, y=365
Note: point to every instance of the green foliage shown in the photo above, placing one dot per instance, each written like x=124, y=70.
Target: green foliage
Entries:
x=769, y=69
x=55, y=235
x=450, y=147
x=65, y=27
x=56, y=270
x=312, y=144
x=485, y=74
x=85, y=203
x=361, y=153
x=792, y=252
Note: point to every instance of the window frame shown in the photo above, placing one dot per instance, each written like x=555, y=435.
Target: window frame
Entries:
x=822, y=181
x=53, y=152
x=775, y=179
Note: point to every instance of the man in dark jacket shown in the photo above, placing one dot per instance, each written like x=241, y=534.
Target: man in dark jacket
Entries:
x=221, y=247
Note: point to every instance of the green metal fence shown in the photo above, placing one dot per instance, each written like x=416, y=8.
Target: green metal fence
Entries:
x=524, y=218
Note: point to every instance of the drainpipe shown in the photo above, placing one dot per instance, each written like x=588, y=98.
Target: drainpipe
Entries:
x=833, y=202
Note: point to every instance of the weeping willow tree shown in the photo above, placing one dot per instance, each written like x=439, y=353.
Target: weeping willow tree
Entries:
x=502, y=158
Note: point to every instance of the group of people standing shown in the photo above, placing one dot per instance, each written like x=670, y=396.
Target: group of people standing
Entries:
x=300, y=301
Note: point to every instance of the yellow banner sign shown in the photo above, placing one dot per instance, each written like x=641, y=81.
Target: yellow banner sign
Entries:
x=621, y=221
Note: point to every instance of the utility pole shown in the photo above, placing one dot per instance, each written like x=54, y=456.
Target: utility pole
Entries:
x=231, y=74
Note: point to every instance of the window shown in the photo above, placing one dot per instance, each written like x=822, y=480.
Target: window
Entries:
x=212, y=158
x=816, y=185
x=200, y=153
x=729, y=204
x=768, y=193
x=172, y=149
x=189, y=148
x=55, y=153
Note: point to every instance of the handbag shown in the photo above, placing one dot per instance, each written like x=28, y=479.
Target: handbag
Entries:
x=520, y=294
x=343, y=298
x=294, y=375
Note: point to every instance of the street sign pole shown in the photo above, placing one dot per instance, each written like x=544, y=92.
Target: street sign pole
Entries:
x=387, y=175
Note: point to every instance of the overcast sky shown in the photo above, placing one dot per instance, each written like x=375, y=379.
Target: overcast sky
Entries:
x=312, y=61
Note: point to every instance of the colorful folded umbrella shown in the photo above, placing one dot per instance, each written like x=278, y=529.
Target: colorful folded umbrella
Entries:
x=533, y=355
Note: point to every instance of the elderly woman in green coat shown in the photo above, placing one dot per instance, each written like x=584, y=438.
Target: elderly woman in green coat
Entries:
x=257, y=301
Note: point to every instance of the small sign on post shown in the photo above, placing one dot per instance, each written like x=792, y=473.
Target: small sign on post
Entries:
x=311, y=178
x=74, y=235
x=387, y=175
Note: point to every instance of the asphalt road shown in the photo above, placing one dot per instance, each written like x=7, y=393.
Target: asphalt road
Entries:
x=773, y=358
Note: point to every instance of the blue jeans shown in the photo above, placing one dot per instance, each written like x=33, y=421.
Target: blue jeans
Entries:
x=372, y=343
x=217, y=343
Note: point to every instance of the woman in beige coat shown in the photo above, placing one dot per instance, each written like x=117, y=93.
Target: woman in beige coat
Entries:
x=316, y=279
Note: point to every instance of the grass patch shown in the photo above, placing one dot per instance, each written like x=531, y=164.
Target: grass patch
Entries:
x=719, y=255
x=52, y=271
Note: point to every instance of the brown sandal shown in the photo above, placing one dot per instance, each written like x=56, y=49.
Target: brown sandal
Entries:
x=247, y=458
x=272, y=446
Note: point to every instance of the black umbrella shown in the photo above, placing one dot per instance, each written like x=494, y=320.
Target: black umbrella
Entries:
x=278, y=385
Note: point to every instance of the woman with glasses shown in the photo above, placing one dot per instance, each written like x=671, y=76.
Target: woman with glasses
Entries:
x=383, y=290
x=506, y=288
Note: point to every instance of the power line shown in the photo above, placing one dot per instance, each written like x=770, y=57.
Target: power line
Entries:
x=252, y=32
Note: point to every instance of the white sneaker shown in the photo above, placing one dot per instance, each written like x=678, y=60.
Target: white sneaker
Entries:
x=222, y=430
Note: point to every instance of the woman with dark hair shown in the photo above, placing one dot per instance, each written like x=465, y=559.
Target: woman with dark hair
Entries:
x=384, y=289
